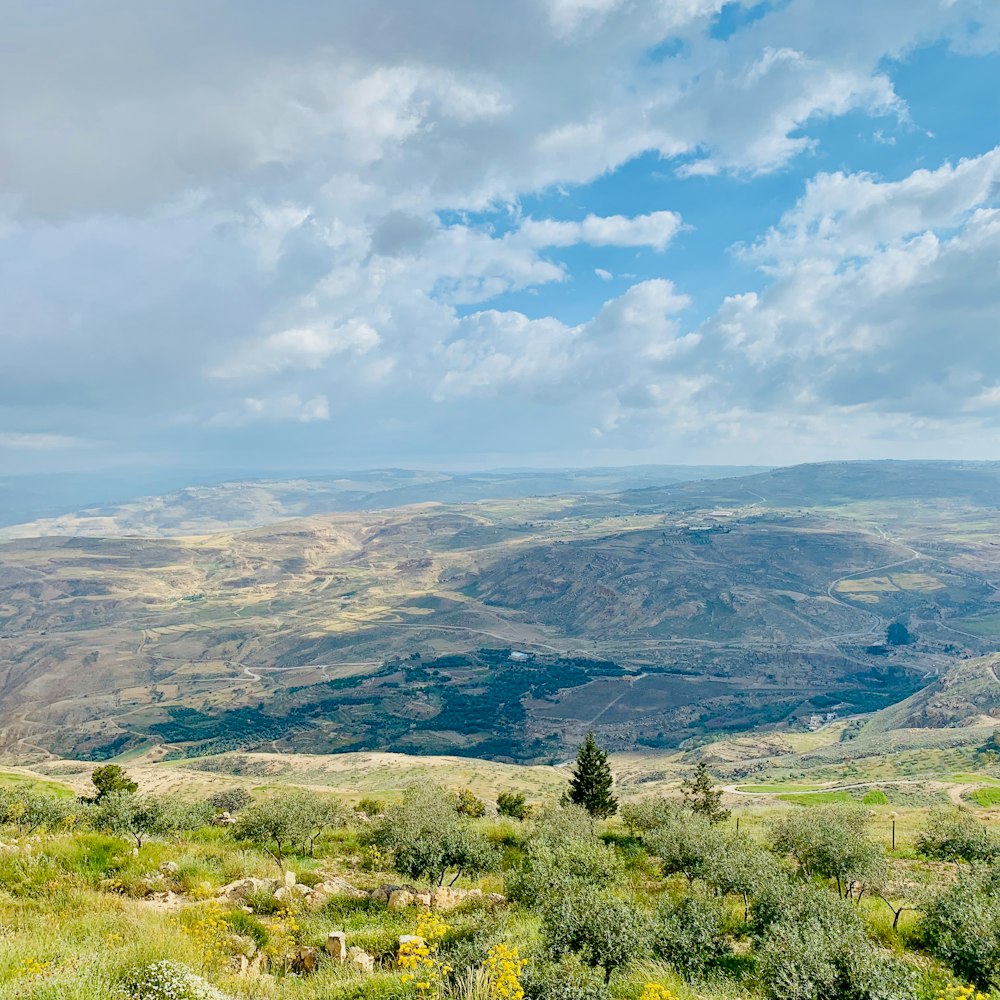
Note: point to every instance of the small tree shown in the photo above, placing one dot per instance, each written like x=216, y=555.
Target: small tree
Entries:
x=688, y=933
x=275, y=825
x=230, y=800
x=702, y=797
x=512, y=804
x=111, y=778
x=961, y=926
x=605, y=931
x=469, y=805
x=956, y=835
x=592, y=782
x=28, y=810
x=124, y=814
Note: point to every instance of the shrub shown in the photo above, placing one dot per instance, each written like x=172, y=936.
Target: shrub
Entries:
x=684, y=842
x=230, y=800
x=567, y=979
x=469, y=805
x=604, y=931
x=814, y=947
x=573, y=865
x=688, y=934
x=961, y=926
x=512, y=804
x=956, y=835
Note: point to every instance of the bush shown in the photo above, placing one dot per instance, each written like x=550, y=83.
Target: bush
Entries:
x=688, y=934
x=567, y=979
x=512, y=804
x=684, y=842
x=230, y=800
x=604, y=931
x=956, y=835
x=961, y=926
x=813, y=946
x=469, y=805
x=571, y=866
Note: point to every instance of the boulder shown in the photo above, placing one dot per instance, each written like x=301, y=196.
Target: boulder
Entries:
x=169, y=867
x=411, y=939
x=361, y=960
x=290, y=879
x=495, y=898
x=423, y=899
x=334, y=886
x=383, y=892
x=336, y=945
x=400, y=899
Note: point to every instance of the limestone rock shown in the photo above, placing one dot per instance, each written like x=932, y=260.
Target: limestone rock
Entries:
x=361, y=960
x=400, y=899
x=336, y=945
x=244, y=888
x=305, y=960
x=169, y=867
x=332, y=885
x=290, y=879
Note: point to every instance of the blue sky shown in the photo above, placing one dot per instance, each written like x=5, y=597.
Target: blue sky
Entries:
x=548, y=232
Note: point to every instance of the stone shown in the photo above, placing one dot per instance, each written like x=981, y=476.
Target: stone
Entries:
x=495, y=898
x=445, y=898
x=224, y=819
x=305, y=960
x=383, y=892
x=245, y=887
x=400, y=900
x=290, y=879
x=168, y=867
x=423, y=899
x=415, y=939
x=361, y=960
x=336, y=945
x=334, y=886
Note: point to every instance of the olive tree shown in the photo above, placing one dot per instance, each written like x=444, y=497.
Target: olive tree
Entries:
x=604, y=931
x=428, y=839
x=124, y=814
x=956, y=835
x=275, y=825
x=29, y=811
x=961, y=926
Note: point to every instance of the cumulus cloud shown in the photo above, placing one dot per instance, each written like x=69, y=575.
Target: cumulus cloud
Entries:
x=222, y=216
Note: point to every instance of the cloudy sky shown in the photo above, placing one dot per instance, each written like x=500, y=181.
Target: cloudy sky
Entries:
x=327, y=234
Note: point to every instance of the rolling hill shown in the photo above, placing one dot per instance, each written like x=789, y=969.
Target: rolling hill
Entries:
x=503, y=628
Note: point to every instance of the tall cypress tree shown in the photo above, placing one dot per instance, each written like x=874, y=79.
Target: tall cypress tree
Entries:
x=592, y=782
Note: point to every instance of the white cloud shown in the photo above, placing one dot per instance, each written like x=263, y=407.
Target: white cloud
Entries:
x=654, y=230
x=602, y=274
x=280, y=409
x=36, y=441
x=306, y=347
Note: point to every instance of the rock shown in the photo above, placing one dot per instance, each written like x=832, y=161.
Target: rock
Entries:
x=245, y=887
x=411, y=939
x=305, y=960
x=224, y=819
x=400, y=900
x=361, y=960
x=444, y=898
x=383, y=892
x=169, y=867
x=290, y=879
x=423, y=899
x=334, y=886
x=336, y=945
x=495, y=898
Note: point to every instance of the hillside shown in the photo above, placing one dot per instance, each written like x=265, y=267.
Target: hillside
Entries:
x=504, y=628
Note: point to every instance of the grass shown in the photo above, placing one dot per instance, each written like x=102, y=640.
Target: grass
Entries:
x=12, y=779
x=780, y=787
x=817, y=798
x=985, y=797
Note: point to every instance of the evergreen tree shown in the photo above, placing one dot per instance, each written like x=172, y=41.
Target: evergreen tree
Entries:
x=111, y=778
x=702, y=797
x=592, y=782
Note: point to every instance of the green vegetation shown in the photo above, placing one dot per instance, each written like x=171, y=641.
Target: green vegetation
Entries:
x=591, y=783
x=139, y=896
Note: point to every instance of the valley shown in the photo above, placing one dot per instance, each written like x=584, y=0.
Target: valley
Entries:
x=507, y=628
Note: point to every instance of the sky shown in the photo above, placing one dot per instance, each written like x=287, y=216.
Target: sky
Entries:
x=464, y=234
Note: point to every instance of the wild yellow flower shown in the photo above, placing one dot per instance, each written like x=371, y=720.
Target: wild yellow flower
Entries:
x=654, y=991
